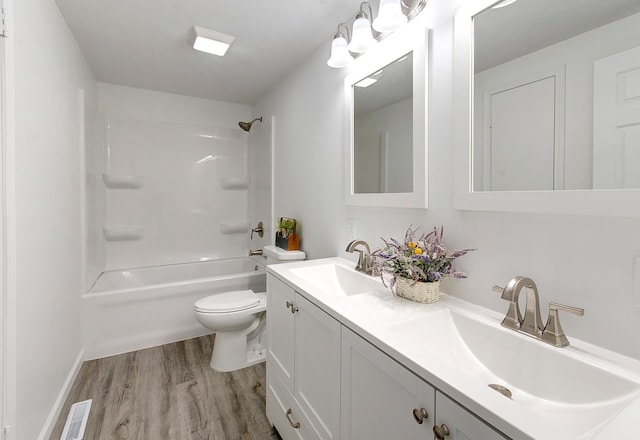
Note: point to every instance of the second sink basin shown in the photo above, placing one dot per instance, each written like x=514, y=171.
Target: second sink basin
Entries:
x=550, y=381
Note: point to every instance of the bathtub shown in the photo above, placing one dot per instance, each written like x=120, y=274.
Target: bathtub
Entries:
x=132, y=309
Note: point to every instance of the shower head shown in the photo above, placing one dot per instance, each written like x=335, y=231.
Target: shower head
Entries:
x=246, y=126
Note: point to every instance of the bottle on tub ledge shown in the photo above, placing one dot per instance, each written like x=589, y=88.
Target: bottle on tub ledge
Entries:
x=286, y=236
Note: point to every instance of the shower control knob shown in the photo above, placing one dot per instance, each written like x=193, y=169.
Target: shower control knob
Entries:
x=258, y=230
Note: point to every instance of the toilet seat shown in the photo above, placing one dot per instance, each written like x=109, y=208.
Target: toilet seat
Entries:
x=228, y=302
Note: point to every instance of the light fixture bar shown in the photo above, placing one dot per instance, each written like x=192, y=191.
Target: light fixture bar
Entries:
x=209, y=41
x=362, y=38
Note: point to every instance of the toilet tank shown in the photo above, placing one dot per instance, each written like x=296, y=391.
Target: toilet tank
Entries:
x=275, y=255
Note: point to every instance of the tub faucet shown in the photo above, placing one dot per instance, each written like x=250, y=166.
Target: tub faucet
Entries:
x=364, y=258
x=531, y=324
x=255, y=252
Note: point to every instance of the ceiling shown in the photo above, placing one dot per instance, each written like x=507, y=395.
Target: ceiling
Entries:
x=144, y=43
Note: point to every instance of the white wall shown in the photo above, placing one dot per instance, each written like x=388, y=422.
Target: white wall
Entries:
x=49, y=71
x=181, y=148
x=581, y=261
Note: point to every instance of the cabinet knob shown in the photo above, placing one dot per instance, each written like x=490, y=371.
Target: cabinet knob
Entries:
x=288, y=416
x=420, y=415
x=441, y=431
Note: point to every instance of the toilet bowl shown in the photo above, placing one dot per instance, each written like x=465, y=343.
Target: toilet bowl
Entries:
x=238, y=319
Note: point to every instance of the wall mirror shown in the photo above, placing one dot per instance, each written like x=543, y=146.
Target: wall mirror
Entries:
x=548, y=121
x=386, y=132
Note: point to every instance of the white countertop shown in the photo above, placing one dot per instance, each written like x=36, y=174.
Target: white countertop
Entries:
x=378, y=316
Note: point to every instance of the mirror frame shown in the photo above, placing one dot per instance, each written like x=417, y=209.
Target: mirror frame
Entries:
x=601, y=202
x=408, y=39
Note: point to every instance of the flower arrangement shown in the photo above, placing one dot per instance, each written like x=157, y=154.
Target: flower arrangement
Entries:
x=417, y=258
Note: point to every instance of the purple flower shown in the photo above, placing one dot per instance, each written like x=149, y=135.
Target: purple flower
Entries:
x=398, y=259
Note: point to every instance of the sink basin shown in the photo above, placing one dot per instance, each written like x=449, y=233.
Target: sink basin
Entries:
x=558, y=384
x=336, y=280
x=541, y=370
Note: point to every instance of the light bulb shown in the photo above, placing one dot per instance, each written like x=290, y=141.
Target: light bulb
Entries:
x=390, y=17
x=340, y=56
x=362, y=37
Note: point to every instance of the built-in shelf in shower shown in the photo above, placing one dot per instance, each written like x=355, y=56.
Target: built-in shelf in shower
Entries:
x=228, y=228
x=123, y=233
x=123, y=181
x=234, y=183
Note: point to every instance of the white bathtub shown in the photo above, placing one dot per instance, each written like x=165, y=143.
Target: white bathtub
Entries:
x=132, y=309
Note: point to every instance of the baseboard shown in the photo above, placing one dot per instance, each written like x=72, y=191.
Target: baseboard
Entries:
x=112, y=347
x=47, y=429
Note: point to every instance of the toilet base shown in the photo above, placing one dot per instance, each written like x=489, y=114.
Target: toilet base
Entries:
x=226, y=356
x=235, y=350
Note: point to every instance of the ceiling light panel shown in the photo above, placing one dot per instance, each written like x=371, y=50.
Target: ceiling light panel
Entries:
x=209, y=41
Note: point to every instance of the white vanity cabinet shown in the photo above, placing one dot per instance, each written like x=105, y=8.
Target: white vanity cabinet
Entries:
x=325, y=382
x=380, y=398
x=303, y=366
x=459, y=423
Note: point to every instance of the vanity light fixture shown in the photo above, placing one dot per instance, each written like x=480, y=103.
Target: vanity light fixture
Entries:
x=209, y=41
x=340, y=56
x=362, y=36
x=390, y=16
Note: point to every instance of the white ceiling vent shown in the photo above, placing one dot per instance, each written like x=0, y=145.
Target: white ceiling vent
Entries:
x=76, y=421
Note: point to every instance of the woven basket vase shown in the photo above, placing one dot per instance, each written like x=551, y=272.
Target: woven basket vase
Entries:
x=422, y=292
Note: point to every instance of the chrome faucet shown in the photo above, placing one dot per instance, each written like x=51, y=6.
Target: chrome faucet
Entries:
x=364, y=258
x=513, y=320
x=531, y=324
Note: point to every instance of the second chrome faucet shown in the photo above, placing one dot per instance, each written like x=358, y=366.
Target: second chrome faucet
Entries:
x=531, y=324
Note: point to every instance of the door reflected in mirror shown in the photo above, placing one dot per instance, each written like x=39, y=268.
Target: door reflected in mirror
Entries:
x=556, y=100
x=383, y=129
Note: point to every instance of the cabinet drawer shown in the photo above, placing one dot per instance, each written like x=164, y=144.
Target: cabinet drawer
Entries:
x=279, y=403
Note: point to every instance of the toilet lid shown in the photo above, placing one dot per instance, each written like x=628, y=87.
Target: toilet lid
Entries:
x=228, y=301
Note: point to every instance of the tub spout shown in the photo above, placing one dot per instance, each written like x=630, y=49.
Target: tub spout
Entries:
x=255, y=252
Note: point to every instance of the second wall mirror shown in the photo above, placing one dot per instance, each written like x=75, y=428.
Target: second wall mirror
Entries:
x=548, y=121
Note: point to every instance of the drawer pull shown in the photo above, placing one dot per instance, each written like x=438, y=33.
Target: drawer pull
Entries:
x=420, y=415
x=289, y=304
x=293, y=425
x=441, y=431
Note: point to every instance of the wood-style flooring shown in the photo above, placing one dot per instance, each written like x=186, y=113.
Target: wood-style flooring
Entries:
x=170, y=392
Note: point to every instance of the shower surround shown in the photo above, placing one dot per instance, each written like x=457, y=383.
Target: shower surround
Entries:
x=173, y=181
x=175, y=193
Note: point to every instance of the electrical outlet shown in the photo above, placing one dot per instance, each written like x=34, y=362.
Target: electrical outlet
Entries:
x=351, y=229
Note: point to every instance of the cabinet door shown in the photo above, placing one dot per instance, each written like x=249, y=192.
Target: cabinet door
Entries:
x=461, y=424
x=379, y=396
x=280, y=329
x=317, y=368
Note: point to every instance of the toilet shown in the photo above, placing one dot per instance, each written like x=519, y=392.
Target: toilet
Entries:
x=238, y=318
